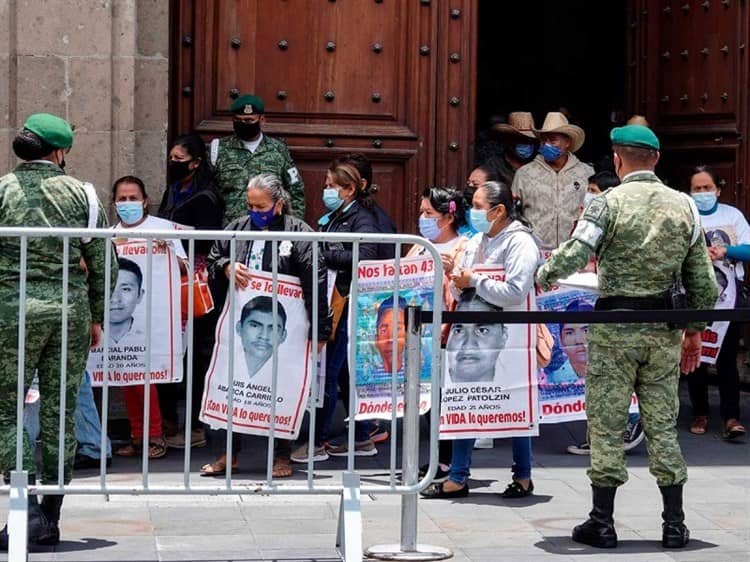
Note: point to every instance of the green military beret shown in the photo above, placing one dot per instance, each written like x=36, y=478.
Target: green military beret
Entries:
x=53, y=130
x=634, y=135
x=248, y=104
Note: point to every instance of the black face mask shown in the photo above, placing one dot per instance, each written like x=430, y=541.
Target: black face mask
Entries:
x=246, y=131
x=178, y=171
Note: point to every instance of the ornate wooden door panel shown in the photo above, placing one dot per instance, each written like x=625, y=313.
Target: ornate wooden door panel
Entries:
x=689, y=73
x=335, y=77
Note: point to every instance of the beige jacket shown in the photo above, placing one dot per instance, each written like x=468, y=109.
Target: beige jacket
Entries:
x=552, y=201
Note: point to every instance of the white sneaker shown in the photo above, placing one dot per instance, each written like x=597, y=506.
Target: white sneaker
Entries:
x=633, y=435
x=484, y=443
x=300, y=454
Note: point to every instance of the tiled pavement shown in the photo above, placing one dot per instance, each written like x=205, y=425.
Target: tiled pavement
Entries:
x=482, y=527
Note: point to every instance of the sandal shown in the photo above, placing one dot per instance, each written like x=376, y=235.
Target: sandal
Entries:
x=132, y=449
x=699, y=425
x=218, y=467
x=733, y=429
x=157, y=448
x=282, y=468
x=515, y=490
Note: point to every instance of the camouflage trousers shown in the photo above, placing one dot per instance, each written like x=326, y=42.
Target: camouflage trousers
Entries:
x=43, y=355
x=652, y=373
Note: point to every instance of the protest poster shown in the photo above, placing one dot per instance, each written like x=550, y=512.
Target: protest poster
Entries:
x=252, y=331
x=375, y=352
x=489, y=387
x=713, y=336
x=128, y=348
x=562, y=390
x=562, y=383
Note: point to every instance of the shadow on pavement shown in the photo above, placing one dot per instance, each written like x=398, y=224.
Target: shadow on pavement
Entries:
x=563, y=545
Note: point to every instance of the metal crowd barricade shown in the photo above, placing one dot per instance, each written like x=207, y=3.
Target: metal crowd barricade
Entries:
x=349, y=534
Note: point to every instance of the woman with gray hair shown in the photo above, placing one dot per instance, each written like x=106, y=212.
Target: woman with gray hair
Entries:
x=268, y=206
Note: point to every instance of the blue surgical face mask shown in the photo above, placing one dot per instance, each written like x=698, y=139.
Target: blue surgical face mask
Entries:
x=261, y=219
x=524, y=151
x=428, y=227
x=550, y=152
x=331, y=198
x=705, y=201
x=130, y=212
x=588, y=198
x=478, y=219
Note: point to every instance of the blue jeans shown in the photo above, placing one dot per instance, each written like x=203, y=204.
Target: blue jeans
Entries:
x=461, y=460
x=336, y=366
x=88, y=427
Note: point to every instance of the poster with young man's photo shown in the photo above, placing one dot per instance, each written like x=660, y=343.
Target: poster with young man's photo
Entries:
x=129, y=349
x=489, y=387
x=380, y=356
x=255, y=336
x=562, y=383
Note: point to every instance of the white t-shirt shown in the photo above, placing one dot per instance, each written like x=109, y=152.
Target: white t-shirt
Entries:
x=252, y=146
x=728, y=227
x=156, y=223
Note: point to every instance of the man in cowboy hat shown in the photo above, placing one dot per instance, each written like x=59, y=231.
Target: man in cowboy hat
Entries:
x=552, y=186
x=248, y=152
x=519, y=144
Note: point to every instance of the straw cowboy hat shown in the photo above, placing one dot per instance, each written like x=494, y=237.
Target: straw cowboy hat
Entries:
x=556, y=122
x=520, y=124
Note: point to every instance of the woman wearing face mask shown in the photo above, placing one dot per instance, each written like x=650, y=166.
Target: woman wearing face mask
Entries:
x=504, y=240
x=268, y=210
x=131, y=204
x=720, y=222
x=348, y=199
x=191, y=199
x=441, y=214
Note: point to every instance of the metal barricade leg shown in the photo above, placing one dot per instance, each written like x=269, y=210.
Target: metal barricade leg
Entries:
x=409, y=549
x=349, y=534
x=18, y=516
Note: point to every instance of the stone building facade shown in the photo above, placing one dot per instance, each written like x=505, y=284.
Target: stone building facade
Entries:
x=101, y=64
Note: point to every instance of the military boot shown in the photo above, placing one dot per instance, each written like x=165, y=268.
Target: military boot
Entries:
x=599, y=529
x=674, y=533
x=37, y=527
x=51, y=506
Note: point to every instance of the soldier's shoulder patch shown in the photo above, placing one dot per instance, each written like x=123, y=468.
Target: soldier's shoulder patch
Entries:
x=293, y=174
x=596, y=209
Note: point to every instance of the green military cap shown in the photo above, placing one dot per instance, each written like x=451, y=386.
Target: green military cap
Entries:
x=53, y=130
x=634, y=135
x=248, y=104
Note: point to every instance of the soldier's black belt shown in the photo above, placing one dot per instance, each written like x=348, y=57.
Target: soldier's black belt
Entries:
x=632, y=303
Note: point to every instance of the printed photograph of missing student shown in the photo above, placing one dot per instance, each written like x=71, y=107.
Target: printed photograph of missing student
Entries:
x=570, y=354
x=387, y=316
x=473, y=350
x=127, y=295
x=255, y=329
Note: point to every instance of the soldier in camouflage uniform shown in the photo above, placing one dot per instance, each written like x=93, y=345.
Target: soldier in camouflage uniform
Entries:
x=39, y=194
x=644, y=235
x=240, y=157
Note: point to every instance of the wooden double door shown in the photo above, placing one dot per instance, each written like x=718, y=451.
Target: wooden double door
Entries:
x=396, y=80
x=372, y=76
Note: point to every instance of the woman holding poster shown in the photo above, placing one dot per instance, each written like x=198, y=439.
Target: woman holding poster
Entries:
x=348, y=198
x=131, y=203
x=504, y=242
x=442, y=214
x=268, y=210
x=728, y=236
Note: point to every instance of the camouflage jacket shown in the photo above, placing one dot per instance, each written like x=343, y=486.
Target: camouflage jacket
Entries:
x=235, y=166
x=39, y=194
x=552, y=200
x=643, y=233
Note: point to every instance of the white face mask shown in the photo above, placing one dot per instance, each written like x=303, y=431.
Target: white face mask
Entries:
x=588, y=198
